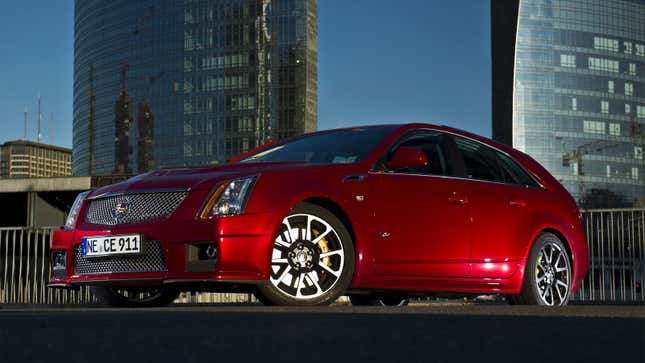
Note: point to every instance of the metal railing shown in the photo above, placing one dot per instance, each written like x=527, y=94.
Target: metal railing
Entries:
x=616, y=267
x=616, y=240
x=24, y=269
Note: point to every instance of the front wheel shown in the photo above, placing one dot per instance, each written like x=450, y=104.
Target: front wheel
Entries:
x=312, y=260
x=547, y=278
x=134, y=297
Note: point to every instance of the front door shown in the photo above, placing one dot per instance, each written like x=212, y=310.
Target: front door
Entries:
x=421, y=217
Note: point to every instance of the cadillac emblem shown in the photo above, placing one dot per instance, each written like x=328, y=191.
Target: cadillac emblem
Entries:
x=120, y=209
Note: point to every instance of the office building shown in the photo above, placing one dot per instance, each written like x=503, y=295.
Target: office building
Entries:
x=28, y=159
x=181, y=83
x=569, y=90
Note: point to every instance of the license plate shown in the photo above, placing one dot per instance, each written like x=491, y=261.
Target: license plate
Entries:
x=124, y=244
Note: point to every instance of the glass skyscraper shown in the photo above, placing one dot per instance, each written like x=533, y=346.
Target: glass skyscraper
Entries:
x=569, y=90
x=177, y=83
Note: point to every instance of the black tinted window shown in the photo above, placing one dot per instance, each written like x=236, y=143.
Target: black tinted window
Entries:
x=514, y=172
x=431, y=143
x=479, y=160
x=338, y=147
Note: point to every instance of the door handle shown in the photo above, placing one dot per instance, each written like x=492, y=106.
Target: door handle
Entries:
x=356, y=177
x=517, y=203
x=457, y=198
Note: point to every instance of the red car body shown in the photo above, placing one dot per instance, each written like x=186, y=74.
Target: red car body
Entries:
x=411, y=233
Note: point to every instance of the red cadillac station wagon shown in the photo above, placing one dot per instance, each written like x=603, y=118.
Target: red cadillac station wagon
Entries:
x=378, y=213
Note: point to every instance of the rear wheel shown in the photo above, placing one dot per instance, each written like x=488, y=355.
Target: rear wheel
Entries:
x=312, y=260
x=547, y=278
x=367, y=300
x=134, y=297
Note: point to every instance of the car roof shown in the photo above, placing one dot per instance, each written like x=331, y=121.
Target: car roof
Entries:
x=400, y=128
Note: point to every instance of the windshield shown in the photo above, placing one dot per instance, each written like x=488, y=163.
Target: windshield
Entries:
x=336, y=147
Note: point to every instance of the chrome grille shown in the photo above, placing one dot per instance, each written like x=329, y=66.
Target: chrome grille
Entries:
x=131, y=208
x=151, y=259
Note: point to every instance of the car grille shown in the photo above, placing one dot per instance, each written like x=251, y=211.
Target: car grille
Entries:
x=151, y=259
x=132, y=208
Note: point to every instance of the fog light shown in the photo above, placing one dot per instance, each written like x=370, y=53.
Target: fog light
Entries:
x=211, y=251
x=207, y=251
x=59, y=260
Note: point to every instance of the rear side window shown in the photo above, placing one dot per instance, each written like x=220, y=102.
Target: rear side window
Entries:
x=514, y=172
x=479, y=161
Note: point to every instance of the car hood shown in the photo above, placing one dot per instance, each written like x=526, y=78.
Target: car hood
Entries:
x=194, y=178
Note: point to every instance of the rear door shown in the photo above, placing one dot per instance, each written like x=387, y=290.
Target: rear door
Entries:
x=500, y=203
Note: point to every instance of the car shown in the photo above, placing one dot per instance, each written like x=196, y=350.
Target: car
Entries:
x=378, y=213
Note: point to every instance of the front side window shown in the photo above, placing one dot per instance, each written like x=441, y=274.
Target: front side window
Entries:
x=433, y=146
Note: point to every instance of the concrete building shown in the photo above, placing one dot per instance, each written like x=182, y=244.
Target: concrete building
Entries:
x=180, y=83
x=569, y=90
x=28, y=159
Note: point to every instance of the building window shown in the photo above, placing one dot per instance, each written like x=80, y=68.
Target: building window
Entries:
x=602, y=64
x=632, y=69
x=610, y=86
x=634, y=172
x=628, y=47
x=638, y=152
x=567, y=60
x=640, y=111
x=640, y=50
x=614, y=129
x=605, y=44
x=629, y=89
x=574, y=104
x=593, y=127
x=604, y=106
x=608, y=171
x=628, y=108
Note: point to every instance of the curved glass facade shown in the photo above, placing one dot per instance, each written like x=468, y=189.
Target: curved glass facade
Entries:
x=193, y=82
x=579, y=96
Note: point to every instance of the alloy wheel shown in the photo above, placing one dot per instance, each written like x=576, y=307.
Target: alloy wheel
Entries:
x=308, y=257
x=552, y=274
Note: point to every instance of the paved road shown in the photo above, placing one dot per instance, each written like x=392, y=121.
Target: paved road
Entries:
x=474, y=333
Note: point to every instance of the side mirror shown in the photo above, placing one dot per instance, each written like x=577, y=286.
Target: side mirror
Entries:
x=406, y=157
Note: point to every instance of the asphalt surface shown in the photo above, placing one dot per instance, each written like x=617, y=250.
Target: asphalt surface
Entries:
x=213, y=333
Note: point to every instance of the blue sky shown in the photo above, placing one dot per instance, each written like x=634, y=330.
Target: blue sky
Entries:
x=378, y=62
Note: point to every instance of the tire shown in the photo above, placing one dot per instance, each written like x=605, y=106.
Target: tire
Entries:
x=547, y=276
x=367, y=300
x=312, y=260
x=134, y=297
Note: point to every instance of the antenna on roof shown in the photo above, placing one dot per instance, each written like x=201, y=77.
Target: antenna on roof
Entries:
x=51, y=124
x=25, y=134
x=39, y=119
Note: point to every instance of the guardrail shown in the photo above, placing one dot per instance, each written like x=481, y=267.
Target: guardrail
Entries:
x=616, y=267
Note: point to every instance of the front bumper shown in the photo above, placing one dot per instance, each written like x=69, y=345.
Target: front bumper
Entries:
x=243, y=252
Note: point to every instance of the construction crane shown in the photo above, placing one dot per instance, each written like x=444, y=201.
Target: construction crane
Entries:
x=575, y=156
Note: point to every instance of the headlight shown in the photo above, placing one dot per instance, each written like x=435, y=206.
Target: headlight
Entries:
x=73, y=212
x=228, y=199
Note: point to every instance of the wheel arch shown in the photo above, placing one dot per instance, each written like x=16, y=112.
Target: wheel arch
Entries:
x=558, y=233
x=337, y=210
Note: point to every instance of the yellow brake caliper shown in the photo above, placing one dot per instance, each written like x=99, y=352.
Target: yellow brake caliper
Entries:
x=537, y=270
x=324, y=247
